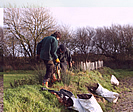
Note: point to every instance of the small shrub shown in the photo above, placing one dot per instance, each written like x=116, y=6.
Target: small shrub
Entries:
x=66, y=78
x=39, y=73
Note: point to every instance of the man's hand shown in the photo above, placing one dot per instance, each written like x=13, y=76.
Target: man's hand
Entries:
x=70, y=65
x=38, y=57
x=57, y=60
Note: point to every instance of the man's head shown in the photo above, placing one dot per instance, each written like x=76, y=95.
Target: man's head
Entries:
x=62, y=48
x=57, y=35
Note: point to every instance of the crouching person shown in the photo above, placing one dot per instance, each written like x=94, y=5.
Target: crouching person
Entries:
x=64, y=57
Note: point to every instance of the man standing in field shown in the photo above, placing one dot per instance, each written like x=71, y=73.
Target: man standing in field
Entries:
x=46, y=50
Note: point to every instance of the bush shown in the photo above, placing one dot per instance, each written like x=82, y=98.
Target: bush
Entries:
x=39, y=73
x=66, y=78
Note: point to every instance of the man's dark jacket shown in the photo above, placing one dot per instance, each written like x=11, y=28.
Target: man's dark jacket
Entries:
x=47, y=48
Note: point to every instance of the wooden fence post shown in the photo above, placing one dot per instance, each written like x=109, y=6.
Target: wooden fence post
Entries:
x=82, y=65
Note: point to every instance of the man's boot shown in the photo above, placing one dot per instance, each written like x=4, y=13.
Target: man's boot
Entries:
x=54, y=78
x=45, y=83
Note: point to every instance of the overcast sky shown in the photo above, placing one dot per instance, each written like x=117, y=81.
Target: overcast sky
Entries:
x=93, y=16
x=70, y=3
x=82, y=13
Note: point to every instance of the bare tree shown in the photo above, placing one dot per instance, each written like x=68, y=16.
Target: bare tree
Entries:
x=126, y=41
x=66, y=36
x=1, y=49
x=115, y=41
x=82, y=42
x=28, y=26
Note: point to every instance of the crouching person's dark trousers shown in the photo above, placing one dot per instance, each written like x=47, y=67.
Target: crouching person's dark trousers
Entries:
x=63, y=66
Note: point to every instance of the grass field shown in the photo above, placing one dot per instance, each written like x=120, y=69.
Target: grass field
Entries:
x=15, y=75
x=29, y=98
x=11, y=77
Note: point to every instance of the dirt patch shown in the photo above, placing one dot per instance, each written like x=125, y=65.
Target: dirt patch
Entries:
x=125, y=102
x=1, y=93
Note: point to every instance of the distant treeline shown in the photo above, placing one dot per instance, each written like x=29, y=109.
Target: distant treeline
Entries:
x=26, y=27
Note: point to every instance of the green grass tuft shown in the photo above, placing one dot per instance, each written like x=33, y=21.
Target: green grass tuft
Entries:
x=30, y=99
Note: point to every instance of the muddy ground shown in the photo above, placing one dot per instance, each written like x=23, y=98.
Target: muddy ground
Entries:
x=125, y=102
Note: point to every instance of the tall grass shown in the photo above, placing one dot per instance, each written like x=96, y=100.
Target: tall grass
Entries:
x=39, y=73
x=29, y=98
x=66, y=78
